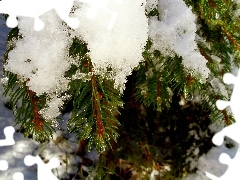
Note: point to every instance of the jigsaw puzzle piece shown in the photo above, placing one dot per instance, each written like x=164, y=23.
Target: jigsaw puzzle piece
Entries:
x=231, y=131
x=18, y=176
x=3, y=165
x=25, y=8
x=104, y=5
x=63, y=9
x=8, y=132
x=222, y=104
x=12, y=21
x=44, y=170
x=233, y=172
x=36, y=8
x=229, y=78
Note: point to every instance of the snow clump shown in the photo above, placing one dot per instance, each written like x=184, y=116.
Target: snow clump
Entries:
x=115, y=32
x=116, y=37
x=40, y=59
x=174, y=32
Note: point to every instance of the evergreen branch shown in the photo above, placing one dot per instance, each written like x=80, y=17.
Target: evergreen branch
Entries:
x=95, y=102
x=218, y=21
x=27, y=115
x=172, y=75
x=232, y=39
x=157, y=77
x=93, y=112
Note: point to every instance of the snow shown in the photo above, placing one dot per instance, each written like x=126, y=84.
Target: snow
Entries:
x=115, y=41
x=52, y=109
x=151, y=5
x=237, y=10
x=210, y=162
x=115, y=32
x=12, y=156
x=119, y=45
x=42, y=55
x=218, y=87
x=175, y=32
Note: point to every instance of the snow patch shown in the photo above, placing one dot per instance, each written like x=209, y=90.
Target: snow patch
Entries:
x=174, y=32
x=119, y=48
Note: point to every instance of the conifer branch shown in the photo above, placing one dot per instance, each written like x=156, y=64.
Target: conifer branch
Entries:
x=232, y=39
x=93, y=115
x=27, y=114
x=95, y=102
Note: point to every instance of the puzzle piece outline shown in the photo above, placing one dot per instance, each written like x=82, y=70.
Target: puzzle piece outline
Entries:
x=229, y=131
x=9, y=140
x=44, y=170
x=101, y=5
x=36, y=8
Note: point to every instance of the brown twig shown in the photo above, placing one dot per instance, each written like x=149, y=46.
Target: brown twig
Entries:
x=231, y=38
x=227, y=119
x=37, y=119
